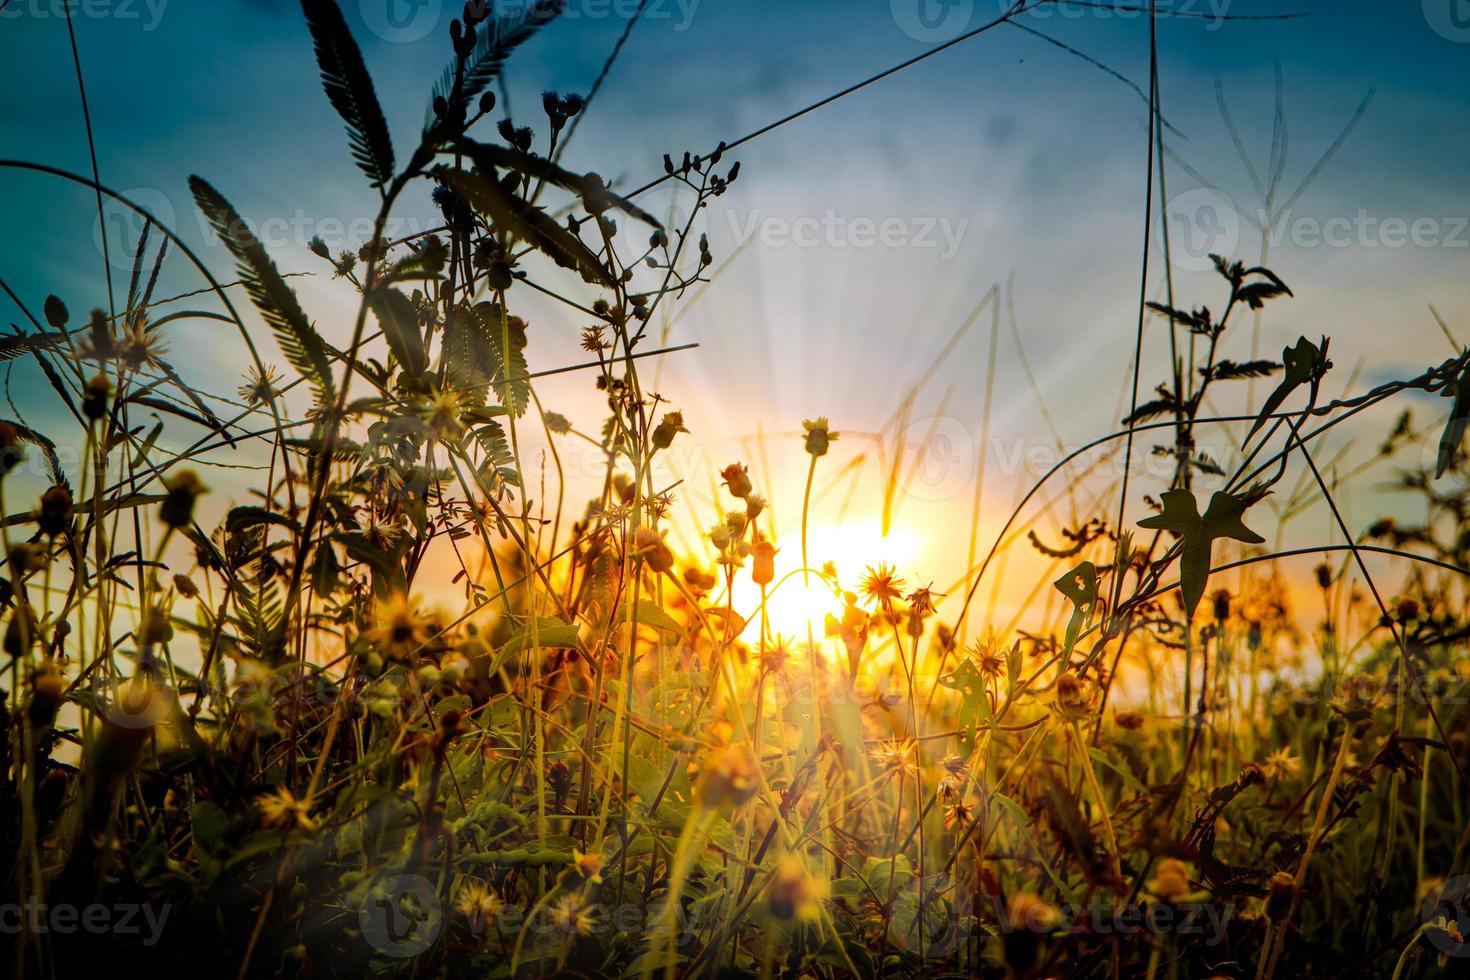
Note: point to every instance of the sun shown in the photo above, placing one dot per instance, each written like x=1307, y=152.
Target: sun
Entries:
x=796, y=603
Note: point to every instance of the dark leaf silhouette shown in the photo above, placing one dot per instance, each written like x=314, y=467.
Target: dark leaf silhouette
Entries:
x=596, y=195
x=1080, y=586
x=1454, y=429
x=1222, y=519
x=1304, y=362
x=400, y=322
x=498, y=37
x=278, y=305
x=350, y=89
x=511, y=214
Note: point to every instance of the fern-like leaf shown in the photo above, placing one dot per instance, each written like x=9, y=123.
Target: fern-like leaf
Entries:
x=498, y=37
x=501, y=340
x=350, y=89
x=278, y=305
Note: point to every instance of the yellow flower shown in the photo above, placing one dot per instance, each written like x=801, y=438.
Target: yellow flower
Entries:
x=882, y=586
x=282, y=809
x=1171, y=882
x=793, y=893
x=1280, y=764
x=570, y=915
x=398, y=631
x=895, y=755
x=479, y=903
x=588, y=866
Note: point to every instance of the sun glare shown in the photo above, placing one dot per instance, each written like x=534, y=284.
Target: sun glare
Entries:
x=795, y=602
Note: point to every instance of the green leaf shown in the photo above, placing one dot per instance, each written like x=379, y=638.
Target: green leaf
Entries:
x=240, y=518
x=299, y=341
x=501, y=351
x=550, y=632
x=510, y=213
x=651, y=614
x=350, y=90
x=1080, y=586
x=400, y=322
x=1222, y=519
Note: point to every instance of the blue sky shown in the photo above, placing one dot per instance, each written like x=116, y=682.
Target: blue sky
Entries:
x=1002, y=160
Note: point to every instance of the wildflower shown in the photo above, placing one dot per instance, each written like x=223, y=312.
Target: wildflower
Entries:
x=587, y=867
x=664, y=432
x=1031, y=913
x=184, y=488
x=138, y=347
x=882, y=586
x=763, y=568
x=793, y=893
x=737, y=479
x=1280, y=891
x=399, y=630
x=1072, y=697
x=921, y=602
x=480, y=904
x=989, y=660
x=818, y=436
x=27, y=557
x=650, y=546
x=773, y=659
x=959, y=814
x=956, y=773
x=728, y=776
x=1170, y=882
x=96, y=396
x=593, y=341
x=1280, y=765
x=556, y=423
x=260, y=386
x=56, y=511
x=1357, y=699
x=571, y=915
x=754, y=505
x=894, y=755
x=56, y=312
x=1129, y=721
x=282, y=809
x=442, y=416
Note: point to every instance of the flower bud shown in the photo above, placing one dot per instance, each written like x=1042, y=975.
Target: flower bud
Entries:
x=763, y=568
x=818, y=436
x=184, y=489
x=737, y=479
x=96, y=396
x=56, y=313
x=56, y=511
x=664, y=432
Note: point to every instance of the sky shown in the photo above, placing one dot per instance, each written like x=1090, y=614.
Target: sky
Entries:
x=873, y=228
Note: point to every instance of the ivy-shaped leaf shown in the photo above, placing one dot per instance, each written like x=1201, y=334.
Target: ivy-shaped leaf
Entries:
x=1080, y=586
x=1304, y=363
x=1222, y=519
